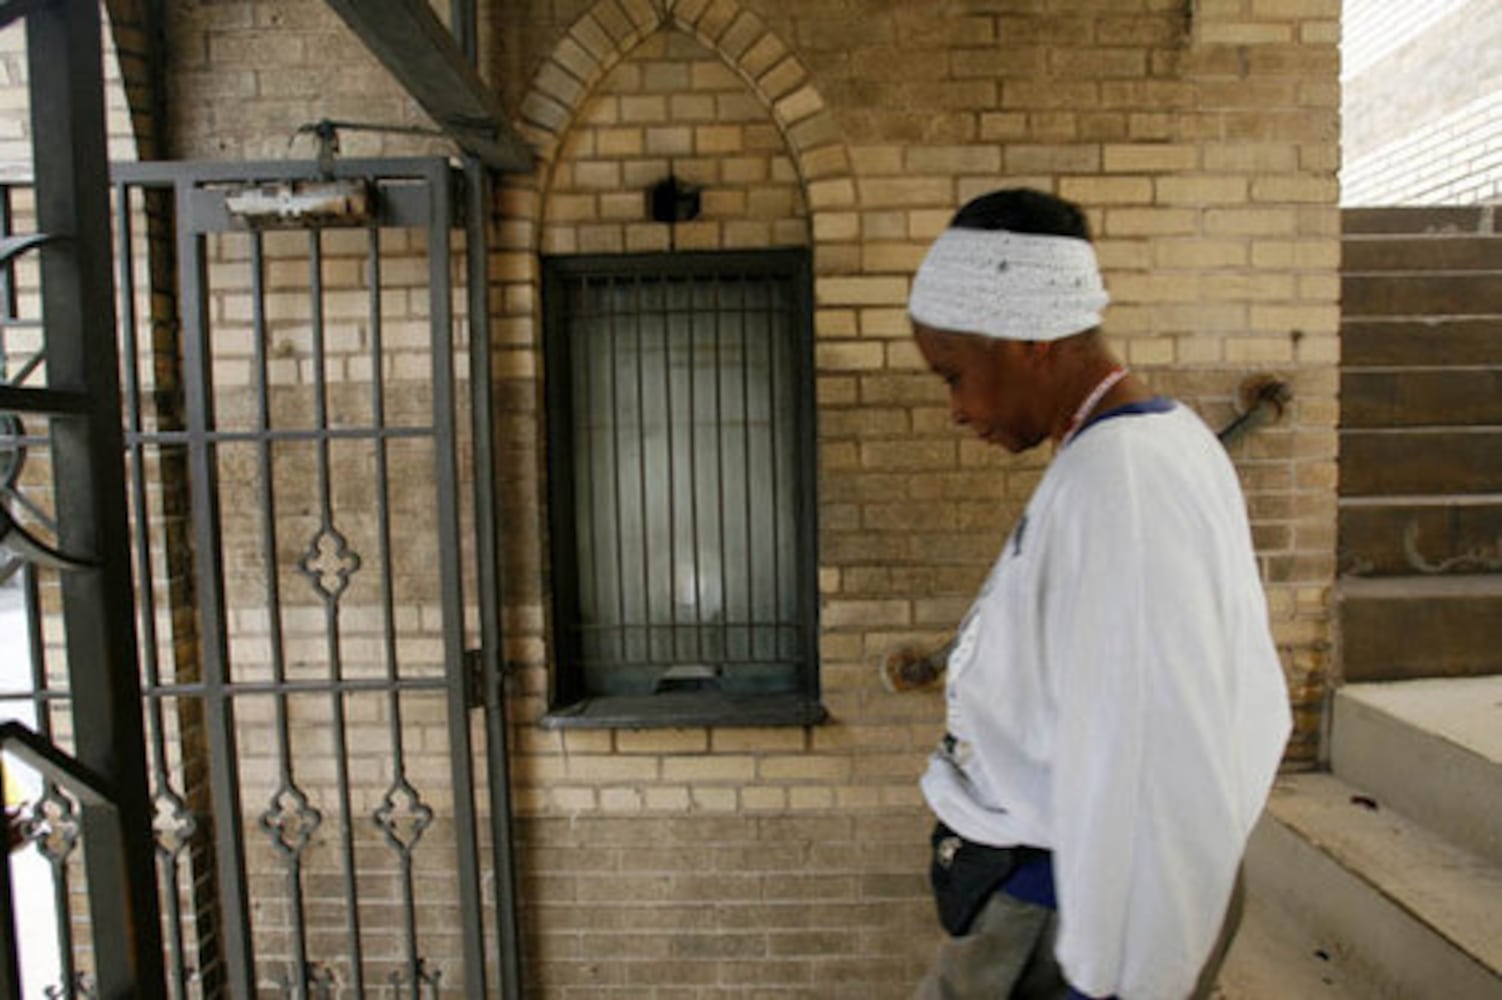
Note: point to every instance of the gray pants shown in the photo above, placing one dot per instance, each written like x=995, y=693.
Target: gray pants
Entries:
x=1009, y=955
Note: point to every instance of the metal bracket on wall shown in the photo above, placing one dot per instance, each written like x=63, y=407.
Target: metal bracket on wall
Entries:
x=1263, y=400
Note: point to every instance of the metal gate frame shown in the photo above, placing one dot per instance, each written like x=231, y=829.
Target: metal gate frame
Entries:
x=81, y=400
x=441, y=197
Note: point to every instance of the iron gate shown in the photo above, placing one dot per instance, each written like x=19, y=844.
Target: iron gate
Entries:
x=308, y=469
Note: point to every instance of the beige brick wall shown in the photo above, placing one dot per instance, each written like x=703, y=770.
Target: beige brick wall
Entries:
x=1205, y=153
x=231, y=94
x=789, y=862
x=672, y=107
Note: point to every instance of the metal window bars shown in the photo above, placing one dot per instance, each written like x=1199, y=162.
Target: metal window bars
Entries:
x=682, y=438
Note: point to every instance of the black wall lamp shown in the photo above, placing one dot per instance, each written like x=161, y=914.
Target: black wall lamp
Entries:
x=671, y=200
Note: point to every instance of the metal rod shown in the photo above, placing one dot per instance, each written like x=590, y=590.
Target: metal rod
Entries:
x=466, y=838
x=647, y=632
x=285, y=771
x=693, y=492
x=615, y=478
x=806, y=484
x=388, y=597
x=487, y=547
x=773, y=423
x=51, y=401
x=223, y=765
x=251, y=437
x=63, y=42
x=671, y=479
x=331, y=623
x=462, y=25
x=585, y=441
x=746, y=462
x=8, y=269
x=719, y=447
x=352, y=685
x=146, y=594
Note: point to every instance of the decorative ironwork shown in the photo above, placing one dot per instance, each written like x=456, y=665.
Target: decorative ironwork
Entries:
x=173, y=823
x=291, y=816
x=290, y=820
x=329, y=562
x=54, y=825
x=403, y=816
x=320, y=982
x=12, y=450
x=426, y=976
x=12, y=460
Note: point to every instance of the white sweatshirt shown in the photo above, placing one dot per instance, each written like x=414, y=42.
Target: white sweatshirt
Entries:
x=1115, y=695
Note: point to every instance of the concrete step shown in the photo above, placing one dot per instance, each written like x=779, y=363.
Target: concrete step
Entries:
x=1427, y=748
x=1445, y=252
x=1446, y=220
x=1464, y=294
x=1406, y=535
x=1434, y=341
x=1405, y=627
x=1430, y=397
x=1402, y=913
x=1273, y=958
x=1421, y=460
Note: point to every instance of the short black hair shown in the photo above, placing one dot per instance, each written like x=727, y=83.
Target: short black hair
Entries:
x=1023, y=210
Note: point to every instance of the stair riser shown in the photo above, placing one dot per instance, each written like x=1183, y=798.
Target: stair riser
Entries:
x=1428, y=253
x=1401, y=639
x=1447, y=220
x=1421, y=295
x=1376, y=541
x=1370, y=940
x=1398, y=462
x=1420, y=399
x=1437, y=342
x=1453, y=791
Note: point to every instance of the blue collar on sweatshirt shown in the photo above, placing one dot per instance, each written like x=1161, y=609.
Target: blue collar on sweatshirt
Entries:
x=1156, y=404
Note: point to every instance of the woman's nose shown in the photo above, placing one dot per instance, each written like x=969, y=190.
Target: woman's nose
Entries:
x=957, y=411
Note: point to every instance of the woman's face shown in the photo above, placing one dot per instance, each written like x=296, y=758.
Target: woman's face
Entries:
x=993, y=385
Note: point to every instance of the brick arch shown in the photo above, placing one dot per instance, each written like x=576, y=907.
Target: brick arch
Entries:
x=135, y=27
x=606, y=34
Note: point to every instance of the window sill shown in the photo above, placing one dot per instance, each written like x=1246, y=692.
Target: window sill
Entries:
x=680, y=709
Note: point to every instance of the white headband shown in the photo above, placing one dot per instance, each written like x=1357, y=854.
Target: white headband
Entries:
x=1011, y=286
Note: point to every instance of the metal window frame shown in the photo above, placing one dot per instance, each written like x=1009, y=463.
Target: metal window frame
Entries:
x=571, y=705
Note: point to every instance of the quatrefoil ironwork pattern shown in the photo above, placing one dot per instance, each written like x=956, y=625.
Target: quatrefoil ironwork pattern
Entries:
x=172, y=823
x=329, y=562
x=426, y=976
x=290, y=820
x=403, y=816
x=55, y=825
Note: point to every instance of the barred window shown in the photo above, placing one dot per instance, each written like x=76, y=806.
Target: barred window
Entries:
x=680, y=403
